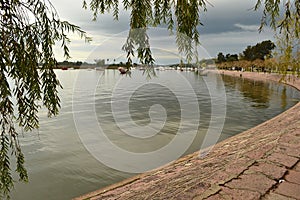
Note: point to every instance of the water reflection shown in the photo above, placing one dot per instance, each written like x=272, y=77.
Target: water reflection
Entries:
x=257, y=91
x=283, y=98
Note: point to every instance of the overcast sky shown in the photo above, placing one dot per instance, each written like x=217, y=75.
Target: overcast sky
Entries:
x=229, y=27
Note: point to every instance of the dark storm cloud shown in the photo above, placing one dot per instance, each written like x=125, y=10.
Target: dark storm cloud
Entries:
x=224, y=16
x=72, y=11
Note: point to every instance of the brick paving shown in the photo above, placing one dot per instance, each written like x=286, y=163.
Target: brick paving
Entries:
x=260, y=163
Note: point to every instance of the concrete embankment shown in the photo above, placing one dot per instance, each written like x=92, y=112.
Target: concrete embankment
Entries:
x=260, y=163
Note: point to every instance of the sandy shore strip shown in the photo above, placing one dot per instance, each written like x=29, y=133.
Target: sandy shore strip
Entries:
x=260, y=163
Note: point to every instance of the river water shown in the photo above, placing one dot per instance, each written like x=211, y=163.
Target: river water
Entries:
x=173, y=105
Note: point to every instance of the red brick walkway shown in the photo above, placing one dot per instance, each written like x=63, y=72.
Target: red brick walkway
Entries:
x=261, y=163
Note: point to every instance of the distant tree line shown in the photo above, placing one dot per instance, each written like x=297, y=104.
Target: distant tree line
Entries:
x=228, y=58
x=125, y=65
x=253, y=58
x=68, y=63
x=259, y=51
x=80, y=64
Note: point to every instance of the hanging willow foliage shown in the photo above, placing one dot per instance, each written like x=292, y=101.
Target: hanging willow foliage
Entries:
x=287, y=25
x=183, y=15
x=288, y=52
x=272, y=14
x=28, y=31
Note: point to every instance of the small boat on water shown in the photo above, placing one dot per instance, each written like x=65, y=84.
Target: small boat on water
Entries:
x=122, y=70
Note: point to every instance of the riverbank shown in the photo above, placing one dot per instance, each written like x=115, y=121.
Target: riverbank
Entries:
x=260, y=163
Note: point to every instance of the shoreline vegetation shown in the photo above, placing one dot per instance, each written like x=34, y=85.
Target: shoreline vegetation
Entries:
x=84, y=65
x=255, y=163
x=269, y=65
x=262, y=57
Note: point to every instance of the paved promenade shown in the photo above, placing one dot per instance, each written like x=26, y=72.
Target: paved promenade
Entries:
x=260, y=163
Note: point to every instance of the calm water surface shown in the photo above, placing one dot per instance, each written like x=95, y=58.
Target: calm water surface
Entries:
x=60, y=167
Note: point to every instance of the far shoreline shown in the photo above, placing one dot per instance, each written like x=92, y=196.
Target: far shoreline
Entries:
x=264, y=76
